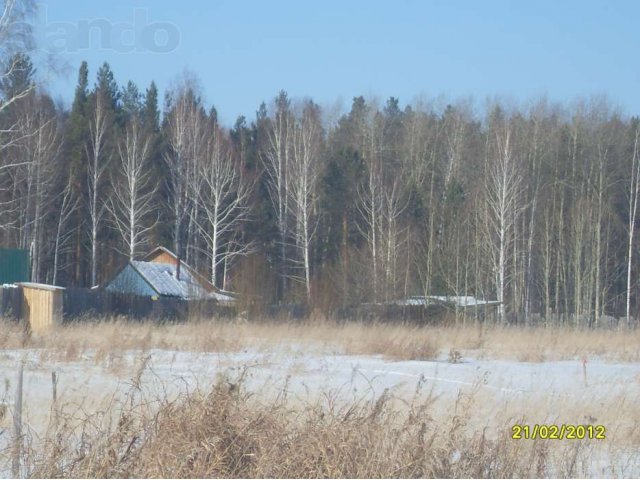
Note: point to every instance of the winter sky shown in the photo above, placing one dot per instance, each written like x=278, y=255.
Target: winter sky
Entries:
x=243, y=53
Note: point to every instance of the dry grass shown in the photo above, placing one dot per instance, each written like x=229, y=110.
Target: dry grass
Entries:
x=395, y=341
x=228, y=433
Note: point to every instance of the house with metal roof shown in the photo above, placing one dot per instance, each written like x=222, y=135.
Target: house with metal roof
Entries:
x=453, y=301
x=163, y=274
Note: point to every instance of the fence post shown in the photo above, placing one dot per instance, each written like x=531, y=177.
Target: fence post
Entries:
x=54, y=386
x=17, y=425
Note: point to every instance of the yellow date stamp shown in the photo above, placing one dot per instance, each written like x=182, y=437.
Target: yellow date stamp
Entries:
x=558, y=432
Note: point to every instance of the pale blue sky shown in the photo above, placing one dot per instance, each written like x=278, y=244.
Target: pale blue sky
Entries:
x=245, y=52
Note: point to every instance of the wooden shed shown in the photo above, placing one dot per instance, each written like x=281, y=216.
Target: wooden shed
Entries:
x=41, y=305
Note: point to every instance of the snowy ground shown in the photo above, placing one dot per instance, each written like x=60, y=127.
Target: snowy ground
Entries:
x=504, y=391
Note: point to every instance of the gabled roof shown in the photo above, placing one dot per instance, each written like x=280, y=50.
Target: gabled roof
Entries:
x=218, y=293
x=153, y=255
x=162, y=277
x=158, y=250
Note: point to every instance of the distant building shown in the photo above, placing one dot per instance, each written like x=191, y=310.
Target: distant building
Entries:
x=454, y=301
x=162, y=274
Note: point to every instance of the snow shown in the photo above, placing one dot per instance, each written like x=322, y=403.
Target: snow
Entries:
x=90, y=375
x=40, y=286
x=221, y=297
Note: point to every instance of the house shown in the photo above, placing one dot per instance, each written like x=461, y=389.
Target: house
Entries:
x=162, y=274
x=437, y=305
x=451, y=301
x=425, y=308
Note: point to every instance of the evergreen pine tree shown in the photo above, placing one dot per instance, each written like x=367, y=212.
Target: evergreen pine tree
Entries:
x=77, y=133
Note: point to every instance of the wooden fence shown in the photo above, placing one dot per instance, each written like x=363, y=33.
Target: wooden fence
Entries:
x=11, y=302
x=84, y=303
x=80, y=302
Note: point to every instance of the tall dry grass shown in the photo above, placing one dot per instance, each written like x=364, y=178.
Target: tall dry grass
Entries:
x=395, y=341
x=228, y=433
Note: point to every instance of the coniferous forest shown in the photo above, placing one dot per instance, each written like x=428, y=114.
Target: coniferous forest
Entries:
x=534, y=205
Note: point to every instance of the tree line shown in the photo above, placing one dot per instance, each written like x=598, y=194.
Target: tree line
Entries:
x=534, y=206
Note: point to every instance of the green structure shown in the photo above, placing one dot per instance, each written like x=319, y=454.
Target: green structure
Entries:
x=14, y=265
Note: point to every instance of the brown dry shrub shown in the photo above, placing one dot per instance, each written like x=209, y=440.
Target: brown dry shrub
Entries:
x=228, y=433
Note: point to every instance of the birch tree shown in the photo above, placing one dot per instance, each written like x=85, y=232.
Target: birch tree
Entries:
x=371, y=191
x=184, y=134
x=40, y=147
x=370, y=208
x=503, y=206
x=223, y=196
x=392, y=235
x=420, y=150
x=304, y=171
x=98, y=160
x=64, y=233
x=276, y=160
x=133, y=202
x=634, y=195
x=382, y=202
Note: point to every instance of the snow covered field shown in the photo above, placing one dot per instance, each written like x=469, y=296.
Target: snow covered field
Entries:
x=504, y=392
